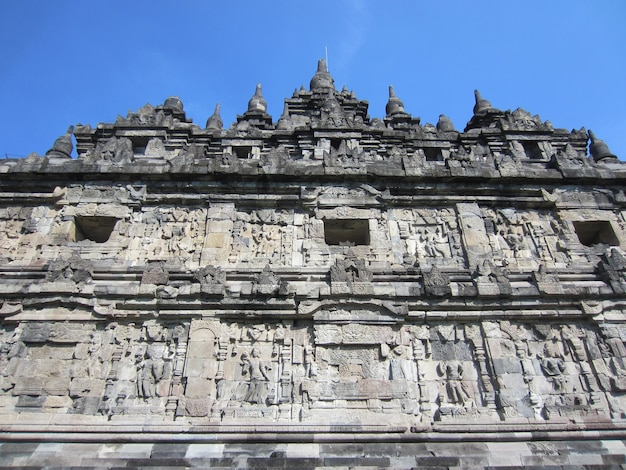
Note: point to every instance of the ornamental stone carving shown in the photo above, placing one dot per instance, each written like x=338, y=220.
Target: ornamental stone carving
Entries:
x=326, y=272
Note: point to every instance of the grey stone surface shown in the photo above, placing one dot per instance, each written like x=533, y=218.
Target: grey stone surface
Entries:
x=324, y=276
x=449, y=455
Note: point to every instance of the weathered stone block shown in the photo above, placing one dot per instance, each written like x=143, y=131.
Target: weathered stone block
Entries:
x=359, y=288
x=87, y=387
x=63, y=402
x=488, y=289
x=36, y=332
x=197, y=388
x=340, y=288
x=155, y=275
x=86, y=406
x=197, y=407
x=28, y=386
x=30, y=402
x=56, y=386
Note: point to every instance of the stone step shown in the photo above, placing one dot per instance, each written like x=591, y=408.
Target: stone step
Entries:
x=491, y=455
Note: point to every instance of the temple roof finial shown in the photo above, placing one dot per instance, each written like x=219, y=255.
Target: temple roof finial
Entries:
x=175, y=103
x=445, y=124
x=481, y=103
x=284, y=122
x=215, y=121
x=257, y=103
x=394, y=105
x=598, y=149
x=63, y=145
x=322, y=79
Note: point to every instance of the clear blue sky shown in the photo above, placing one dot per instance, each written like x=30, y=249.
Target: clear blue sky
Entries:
x=67, y=61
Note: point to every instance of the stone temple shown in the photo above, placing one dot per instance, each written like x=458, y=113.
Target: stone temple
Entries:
x=320, y=290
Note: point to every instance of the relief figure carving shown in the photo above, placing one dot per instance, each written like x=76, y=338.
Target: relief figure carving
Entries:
x=265, y=241
x=453, y=373
x=257, y=371
x=149, y=373
x=553, y=368
x=399, y=365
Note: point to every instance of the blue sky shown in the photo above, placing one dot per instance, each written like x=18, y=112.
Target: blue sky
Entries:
x=66, y=62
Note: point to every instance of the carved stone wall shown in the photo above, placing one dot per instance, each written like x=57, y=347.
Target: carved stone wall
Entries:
x=327, y=273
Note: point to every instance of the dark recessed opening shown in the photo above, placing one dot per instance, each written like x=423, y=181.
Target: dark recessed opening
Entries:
x=335, y=143
x=243, y=151
x=347, y=232
x=139, y=145
x=433, y=154
x=595, y=232
x=94, y=228
x=532, y=150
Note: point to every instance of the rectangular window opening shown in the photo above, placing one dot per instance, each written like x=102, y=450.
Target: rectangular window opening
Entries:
x=595, y=232
x=347, y=232
x=139, y=145
x=94, y=228
x=243, y=151
x=335, y=143
x=532, y=150
x=433, y=154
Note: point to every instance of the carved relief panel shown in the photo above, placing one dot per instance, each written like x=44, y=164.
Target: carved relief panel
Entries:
x=526, y=238
x=363, y=365
x=262, y=237
x=348, y=362
x=245, y=370
x=167, y=234
x=81, y=368
x=428, y=236
x=450, y=367
x=27, y=233
x=145, y=368
x=549, y=371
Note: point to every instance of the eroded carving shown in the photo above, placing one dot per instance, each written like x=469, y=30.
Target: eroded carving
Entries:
x=431, y=236
x=257, y=371
x=74, y=269
x=350, y=270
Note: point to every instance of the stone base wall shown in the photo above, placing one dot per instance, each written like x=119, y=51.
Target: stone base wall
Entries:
x=172, y=452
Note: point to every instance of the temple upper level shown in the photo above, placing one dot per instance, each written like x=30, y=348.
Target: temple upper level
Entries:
x=325, y=131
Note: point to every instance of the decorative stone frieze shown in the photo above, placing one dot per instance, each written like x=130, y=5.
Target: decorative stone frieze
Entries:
x=326, y=270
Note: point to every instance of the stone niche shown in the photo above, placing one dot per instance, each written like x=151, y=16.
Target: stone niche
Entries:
x=95, y=228
x=346, y=232
x=595, y=232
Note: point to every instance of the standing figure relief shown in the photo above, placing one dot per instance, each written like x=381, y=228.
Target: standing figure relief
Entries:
x=256, y=370
x=149, y=373
x=453, y=373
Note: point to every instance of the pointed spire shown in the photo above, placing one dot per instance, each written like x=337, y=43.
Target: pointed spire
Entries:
x=445, y=124
x=63, y=145
x=322, y=79
x=481, y=103
x=284, y=122
x=257, y=103
x=394, y=105
x=215, y=122
x=598, y=149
